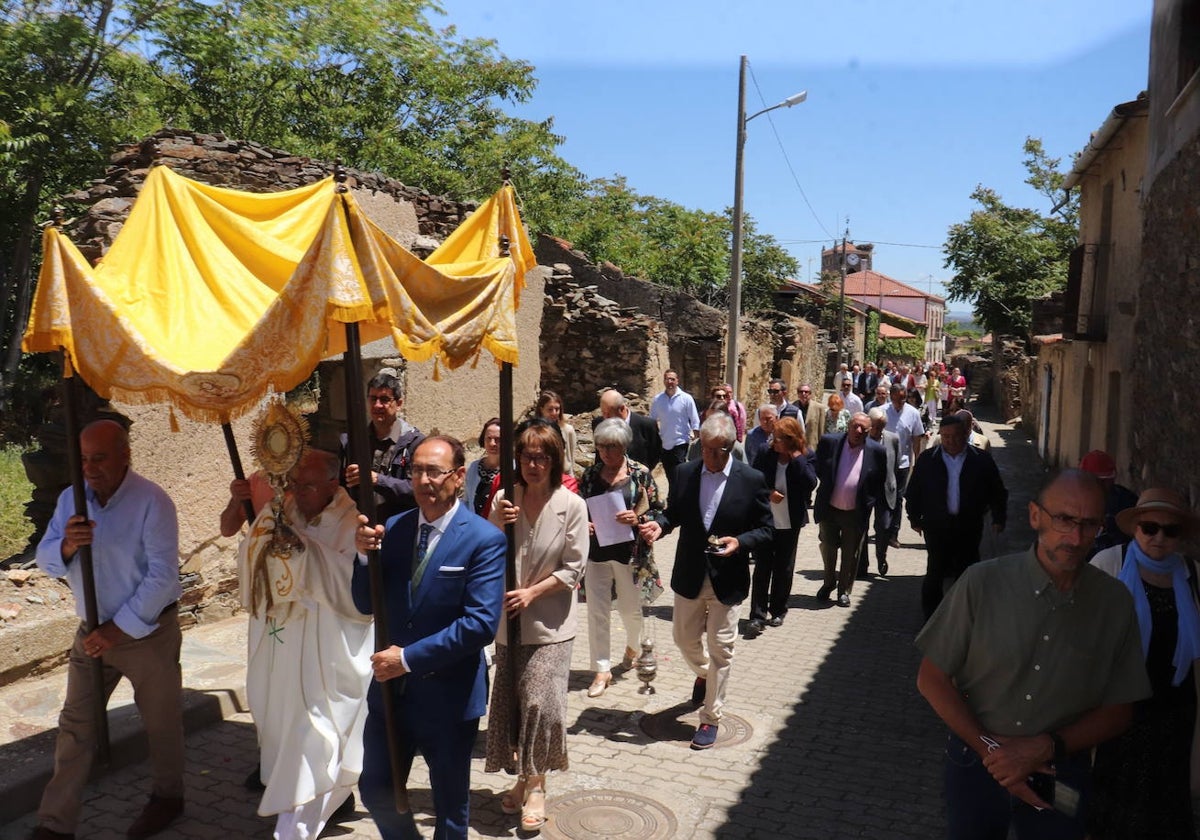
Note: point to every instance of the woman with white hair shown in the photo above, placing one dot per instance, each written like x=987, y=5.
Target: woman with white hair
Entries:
x=628, y=564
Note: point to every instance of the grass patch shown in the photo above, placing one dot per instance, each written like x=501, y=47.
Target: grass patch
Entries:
x=15, y=491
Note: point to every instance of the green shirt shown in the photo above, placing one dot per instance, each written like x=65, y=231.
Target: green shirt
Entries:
x=1030, y=659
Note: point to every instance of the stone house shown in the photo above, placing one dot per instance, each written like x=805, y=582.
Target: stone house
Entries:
x=887, y=295
x=1166, y=337
x=1081, y=397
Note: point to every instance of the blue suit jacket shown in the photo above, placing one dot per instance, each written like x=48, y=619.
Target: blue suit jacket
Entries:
x=444, y=625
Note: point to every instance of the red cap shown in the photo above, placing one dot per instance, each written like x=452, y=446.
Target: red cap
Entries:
x=1099, y=463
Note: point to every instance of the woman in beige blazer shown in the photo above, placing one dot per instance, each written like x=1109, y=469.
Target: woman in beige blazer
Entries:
x=551, y=528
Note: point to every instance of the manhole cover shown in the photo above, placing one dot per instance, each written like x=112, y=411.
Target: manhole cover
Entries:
x=608, y=813
x=668, y=726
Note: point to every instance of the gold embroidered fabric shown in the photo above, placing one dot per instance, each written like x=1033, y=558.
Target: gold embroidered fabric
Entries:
x=210, y=297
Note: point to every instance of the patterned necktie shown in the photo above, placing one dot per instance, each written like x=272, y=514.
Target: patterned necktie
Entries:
x=421, y=558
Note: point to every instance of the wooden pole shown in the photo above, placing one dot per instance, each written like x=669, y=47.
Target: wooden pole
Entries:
x=86, y=570
x=359, y=453
x=238, y=472
x=510, y=555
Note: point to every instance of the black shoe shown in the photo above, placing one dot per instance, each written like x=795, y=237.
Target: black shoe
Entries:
x=894, y=543
x=160, y=812
x=343, y=811
x=823, y=592
x=698, y=689
x=843, y=600
x=754, y=628
x=43, y=833
x=254, y=781
x=883, y=567
x=776, y=621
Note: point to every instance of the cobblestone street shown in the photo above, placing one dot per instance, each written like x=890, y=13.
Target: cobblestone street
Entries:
x=830, y=740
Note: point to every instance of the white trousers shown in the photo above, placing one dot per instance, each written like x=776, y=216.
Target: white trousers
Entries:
x=706, y=620
x=597, y=584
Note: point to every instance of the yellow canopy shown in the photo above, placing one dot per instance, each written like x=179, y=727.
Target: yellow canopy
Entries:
x=210, y=297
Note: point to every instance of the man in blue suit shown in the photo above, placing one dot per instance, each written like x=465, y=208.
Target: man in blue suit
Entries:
x=443, y=572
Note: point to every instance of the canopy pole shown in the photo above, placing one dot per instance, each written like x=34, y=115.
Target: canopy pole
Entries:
x=87, y=572
x=356, y=432
x=238, y=472
x=507, y=466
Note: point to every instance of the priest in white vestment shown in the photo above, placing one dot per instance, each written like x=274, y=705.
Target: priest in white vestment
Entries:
x=309, y=650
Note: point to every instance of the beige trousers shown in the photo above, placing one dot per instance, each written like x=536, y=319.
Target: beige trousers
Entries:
x=704, y=620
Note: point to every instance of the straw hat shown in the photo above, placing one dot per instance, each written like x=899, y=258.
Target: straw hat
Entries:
x=1158, y=500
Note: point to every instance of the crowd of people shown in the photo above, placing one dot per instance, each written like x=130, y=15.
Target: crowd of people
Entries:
x=1079, y=637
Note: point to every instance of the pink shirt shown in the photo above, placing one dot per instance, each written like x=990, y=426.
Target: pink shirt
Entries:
x=845, y=483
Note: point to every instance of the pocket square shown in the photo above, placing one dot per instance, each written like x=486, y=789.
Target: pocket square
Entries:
x=451, y=568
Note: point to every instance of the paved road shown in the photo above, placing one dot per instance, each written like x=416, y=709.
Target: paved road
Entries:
x=839, y=745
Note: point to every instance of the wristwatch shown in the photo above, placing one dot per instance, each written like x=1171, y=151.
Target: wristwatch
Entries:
x=1060, y=747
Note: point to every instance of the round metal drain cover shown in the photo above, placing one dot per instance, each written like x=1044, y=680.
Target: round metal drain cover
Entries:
x=668, y=726
x=608, y=813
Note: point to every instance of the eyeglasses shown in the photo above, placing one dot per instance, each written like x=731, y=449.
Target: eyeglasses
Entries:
x=805, y=391
x=384, y=400
x=1068, y=524
x=718, y=450
x=535, y=460
x=845, y=383
x=774, y=391
x=1171, y=531
x=720, y=395
x=434, y=473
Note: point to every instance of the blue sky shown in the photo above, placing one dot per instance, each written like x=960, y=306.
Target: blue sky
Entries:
x=910, y=105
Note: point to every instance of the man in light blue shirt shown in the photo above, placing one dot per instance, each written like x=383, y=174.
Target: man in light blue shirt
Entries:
x=674, y=411
x=905, y=421
x=133, y=532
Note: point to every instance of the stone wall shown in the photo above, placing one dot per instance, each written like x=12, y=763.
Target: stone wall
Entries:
x=1167, y=339
x=590, y=343
x=246, y=165
x=653, y=318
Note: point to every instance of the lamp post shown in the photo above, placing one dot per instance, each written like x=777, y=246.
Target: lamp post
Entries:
x=735, y=269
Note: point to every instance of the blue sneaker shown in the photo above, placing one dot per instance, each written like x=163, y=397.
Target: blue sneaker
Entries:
x=705, y=737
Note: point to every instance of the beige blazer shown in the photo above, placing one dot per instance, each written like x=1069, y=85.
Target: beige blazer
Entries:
x=556, y=544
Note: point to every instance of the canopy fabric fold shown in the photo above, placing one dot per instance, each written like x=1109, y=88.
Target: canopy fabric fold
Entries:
x=210, y=297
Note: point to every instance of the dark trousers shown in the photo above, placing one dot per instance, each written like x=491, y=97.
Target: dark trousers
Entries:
x=774, y=566
x=844, y=531
x=672, y=458
x=978, y=808
x=883, y=527
x=446, y=747
x=897, y=511
x=952, y=546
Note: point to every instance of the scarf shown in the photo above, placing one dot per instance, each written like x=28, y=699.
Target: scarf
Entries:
x=1187, y=648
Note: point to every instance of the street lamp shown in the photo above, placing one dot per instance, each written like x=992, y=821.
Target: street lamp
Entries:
x=735, y=269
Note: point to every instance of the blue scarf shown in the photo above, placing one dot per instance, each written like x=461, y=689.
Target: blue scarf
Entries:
x=1187, y=648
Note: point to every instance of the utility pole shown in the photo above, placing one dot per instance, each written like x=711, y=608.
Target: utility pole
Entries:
x=842, y=299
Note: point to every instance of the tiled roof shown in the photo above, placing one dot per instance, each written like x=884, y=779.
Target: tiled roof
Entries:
x=868, y=284
x=888, y=331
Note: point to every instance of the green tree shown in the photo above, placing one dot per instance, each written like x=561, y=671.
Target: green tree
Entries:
x=368, y=81
x=674, y=246
x=68, y=92
x=1004, y=257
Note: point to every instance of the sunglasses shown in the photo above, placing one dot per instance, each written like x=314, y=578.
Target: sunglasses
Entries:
x=1169, y=531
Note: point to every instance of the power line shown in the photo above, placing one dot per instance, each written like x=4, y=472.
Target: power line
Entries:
x=786, y=159
x=860, y=239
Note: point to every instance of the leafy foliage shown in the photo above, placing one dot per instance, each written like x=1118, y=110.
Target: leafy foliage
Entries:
x=669, y=244
x=1005, y=257
x=902, y=348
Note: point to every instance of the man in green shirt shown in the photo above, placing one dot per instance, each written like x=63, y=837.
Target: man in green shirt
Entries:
x=1031, y=660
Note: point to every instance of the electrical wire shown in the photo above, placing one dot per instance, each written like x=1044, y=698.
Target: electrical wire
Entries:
x=786, y=159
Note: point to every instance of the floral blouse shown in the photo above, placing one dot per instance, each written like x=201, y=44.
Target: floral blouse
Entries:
x=839, y=424
x=641, y=495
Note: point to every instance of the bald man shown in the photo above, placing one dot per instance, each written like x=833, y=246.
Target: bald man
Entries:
x=646, y=447
x=132, y=528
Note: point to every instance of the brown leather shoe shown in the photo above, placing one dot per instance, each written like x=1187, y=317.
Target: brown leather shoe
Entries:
x=43, y=833
x=159, y=813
